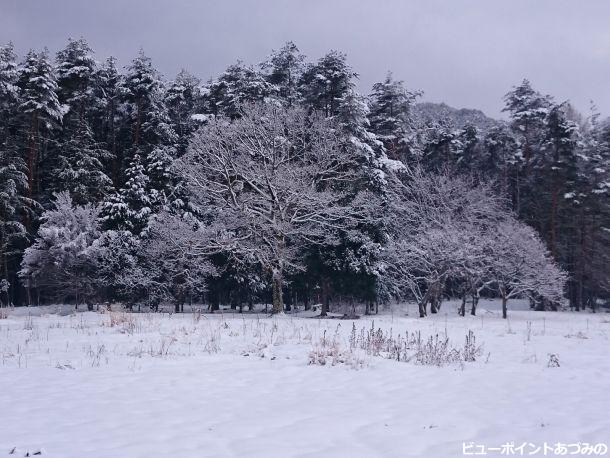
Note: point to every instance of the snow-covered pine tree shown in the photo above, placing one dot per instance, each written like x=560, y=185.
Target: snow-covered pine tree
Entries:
x=77, y=157
x=13, y=175
x=107, y=118
x=130, y=208
x=390, y=116
x=283, y=69
x=184, y=102
x=438, y=145
x=79, y=168
x=9, y=103
x=355, y=259
x=582, y=184
x=9, y=93
x=76, y=69
x=528, y=111
x=324, y=84
x=13, y=207
x=328, y=87
x=559, y=187
x=142, y=92
x=467, y=149
x=121, y=271
x=595, y=230
x=498, y=157
x=157, y=141
x=237, y=85
x=41, y=112
x=149, y=182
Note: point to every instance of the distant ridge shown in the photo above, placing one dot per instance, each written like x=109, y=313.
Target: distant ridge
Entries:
x=457, y=117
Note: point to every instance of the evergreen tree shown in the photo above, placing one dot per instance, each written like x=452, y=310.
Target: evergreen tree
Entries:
x=41, y=111
x=184, y=101
x=9, y=94
x=390, y=116
x=107, y=118
x=76, y=69
x=560, y=161
x=467, y=149
x=283, y=69
x=131, y=207
x=141, y=89
x=13, y=177
x=237, y=85
x=584, y=209
x=324, y=85
x=438, y=145
x=350, y=266
x=528, y=110
x=79, y=169
x=149, y=182
x=9, y=103
x=13, y=206
x=498, y=157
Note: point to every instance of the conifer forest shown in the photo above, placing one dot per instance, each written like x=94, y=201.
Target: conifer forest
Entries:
x=278, y=183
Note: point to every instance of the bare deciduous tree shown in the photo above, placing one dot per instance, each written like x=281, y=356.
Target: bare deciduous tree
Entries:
x=439, y=225
x=271, y=182
x=522, y=266
x=447, y=227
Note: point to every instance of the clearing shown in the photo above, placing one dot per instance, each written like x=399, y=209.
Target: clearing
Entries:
x=129, y=385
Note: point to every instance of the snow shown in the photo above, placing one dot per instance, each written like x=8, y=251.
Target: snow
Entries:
x=190, y=385
x=201, y=117
x=393, y=165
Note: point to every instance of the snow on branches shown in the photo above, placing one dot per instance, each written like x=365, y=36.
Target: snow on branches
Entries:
x=447, y=229
x=273, y=181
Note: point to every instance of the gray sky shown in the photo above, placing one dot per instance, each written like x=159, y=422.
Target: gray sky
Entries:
x=466, y=53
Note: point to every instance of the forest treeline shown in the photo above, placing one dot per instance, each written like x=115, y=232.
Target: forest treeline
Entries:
x=280, y=183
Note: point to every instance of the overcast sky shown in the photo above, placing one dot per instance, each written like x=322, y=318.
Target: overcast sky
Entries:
x=466, y=53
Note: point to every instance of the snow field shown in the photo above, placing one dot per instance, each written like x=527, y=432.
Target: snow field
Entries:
x=199, y=385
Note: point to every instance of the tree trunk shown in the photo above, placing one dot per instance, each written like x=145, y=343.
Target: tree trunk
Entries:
x=462, y=311
x=504, y=308
x=475, y=303
x=325, y=298
x=435, y=297
x=136, y=136
x=278, y=300
x=116, y=163
x=553, y=219
x=32, y=159
x=422, y=305
x=581, y=264
x=215, y=302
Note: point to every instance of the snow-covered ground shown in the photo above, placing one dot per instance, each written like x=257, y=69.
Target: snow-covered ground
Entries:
x=223, y=385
